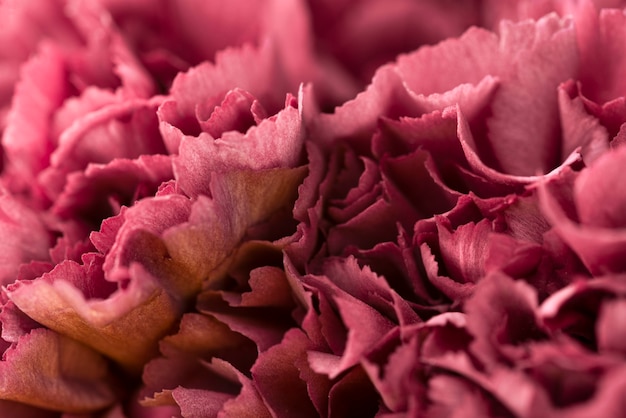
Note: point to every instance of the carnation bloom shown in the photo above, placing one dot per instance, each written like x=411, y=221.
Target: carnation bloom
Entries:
x=302, y=209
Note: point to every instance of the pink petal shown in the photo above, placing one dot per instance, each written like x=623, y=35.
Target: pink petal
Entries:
x=610, y=327
x=600, y=183
x=51, y=371
x=243, y=198
x=25, y=237
x=274, y=143
x=600, y=248
x=42, y=88
x=85, y=310
x=278, y=379
x=88, y=194
x=501, y=316
x=547, y=48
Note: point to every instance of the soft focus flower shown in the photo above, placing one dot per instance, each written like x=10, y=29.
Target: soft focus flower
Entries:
x=312, y=208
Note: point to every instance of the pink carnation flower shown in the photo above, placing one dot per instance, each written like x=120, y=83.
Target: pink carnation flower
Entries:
x=312, y=208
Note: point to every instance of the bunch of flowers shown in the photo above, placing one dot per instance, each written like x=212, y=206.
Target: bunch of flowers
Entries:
x=298, y=208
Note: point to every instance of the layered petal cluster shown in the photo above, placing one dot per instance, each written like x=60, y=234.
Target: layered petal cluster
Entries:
x=303, y=208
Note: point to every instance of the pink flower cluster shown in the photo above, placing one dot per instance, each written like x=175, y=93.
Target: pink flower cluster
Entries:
x=298, y=208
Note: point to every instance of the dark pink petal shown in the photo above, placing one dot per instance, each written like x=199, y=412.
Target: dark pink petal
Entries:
x=576, y=310
x=17, y=409
x=199, y=337
x=455, y=291
x=277, y=378
x=265, y=327
x=397, y=263
x=213, y=382
x=455, y=397
x=353, y=394
x=415, y=175
x=233, y=114
x=247, y=404
x=463, y=250
x=375, y=224
x=501, y=316
x=364, y=323
x=495, y=178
